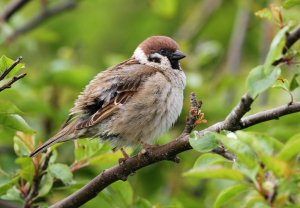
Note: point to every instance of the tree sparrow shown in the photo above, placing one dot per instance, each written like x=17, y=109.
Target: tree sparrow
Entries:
x=130, y=103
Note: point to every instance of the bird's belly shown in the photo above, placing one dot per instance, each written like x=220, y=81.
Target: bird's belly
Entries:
x=143, y=120
x=168, y=116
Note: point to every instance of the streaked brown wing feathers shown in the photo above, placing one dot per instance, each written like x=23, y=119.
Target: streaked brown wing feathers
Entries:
x=100, y=115
x=125, y=89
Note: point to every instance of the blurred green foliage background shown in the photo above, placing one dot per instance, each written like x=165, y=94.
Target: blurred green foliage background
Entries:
x=222, y=39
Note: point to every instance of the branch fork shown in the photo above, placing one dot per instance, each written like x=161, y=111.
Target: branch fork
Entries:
x=15, y=78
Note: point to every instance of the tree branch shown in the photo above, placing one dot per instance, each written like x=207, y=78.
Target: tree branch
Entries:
x=43, y=16
x=268, y=115
x=291, y=38
x=10, y=82
x=12, y=8
x=6, y=72
x=39, y=173
x=14, y=79
x=195, y=107
x=235, y=48
x=170, y=150
x=197, y=18
x=237, y=38
x=238, y=112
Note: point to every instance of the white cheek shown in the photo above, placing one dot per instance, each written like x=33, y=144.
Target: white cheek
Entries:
x=164, y=63
x=140, y=56
x=143, y=59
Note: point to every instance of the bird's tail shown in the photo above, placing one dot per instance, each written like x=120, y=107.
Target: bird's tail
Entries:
x=66, y=133
x=47, y=144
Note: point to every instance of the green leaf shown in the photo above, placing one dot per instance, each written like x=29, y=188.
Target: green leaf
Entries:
x=243, y=152
x=7, y=107
x=280, y=168
x=264, y=13
x=294, y=82
x=251, y=173
x=16, y=122
x=45, y=185
x=276, y=48
x=27, y=168
x=23, y=144
x=62, y=172
x=119, y=194
x=215, y=172
x=124, y=189
x=228, y=194
x=5, y=63
x=258, y=80
x=290, y=3
x=8, y=185
x=262, y=144
x=282, y=84
x=246, y=159
x=206, y=143
x=13, y=194
x=86, y=148
x=290, y=149
x=256, y=202
x=209, y=159
x=142, y=203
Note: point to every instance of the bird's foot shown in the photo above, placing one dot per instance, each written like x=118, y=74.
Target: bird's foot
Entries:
x=125, y=156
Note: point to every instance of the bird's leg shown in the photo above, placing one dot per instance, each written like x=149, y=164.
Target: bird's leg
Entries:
x=125, y=156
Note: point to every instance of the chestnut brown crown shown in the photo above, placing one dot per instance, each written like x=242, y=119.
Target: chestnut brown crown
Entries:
x=156, y=43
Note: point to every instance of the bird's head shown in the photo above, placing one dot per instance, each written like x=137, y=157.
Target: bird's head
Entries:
x=160, y=52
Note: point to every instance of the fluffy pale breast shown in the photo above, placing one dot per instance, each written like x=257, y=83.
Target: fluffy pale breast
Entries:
x=152, y=111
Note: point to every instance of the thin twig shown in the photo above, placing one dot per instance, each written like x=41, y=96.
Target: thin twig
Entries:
x=268, y=115
x=221, y=151
x=239, y=111
x=195, y=107
x=43, y=16
x=12, y=8
x=197, y=18
x=6, y=72
x=291, y=38
x=235, y=49
x=10, y=82
x=236, y=40
x=39, y=173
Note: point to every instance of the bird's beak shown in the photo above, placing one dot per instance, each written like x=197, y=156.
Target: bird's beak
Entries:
x=177, y=55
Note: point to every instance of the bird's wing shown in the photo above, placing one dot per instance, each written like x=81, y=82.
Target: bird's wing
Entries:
x=109, y=90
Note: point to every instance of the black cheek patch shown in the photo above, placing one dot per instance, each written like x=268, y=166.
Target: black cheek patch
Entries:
x=156, y=60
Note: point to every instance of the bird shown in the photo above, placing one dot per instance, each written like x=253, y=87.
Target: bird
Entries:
x=131, y=103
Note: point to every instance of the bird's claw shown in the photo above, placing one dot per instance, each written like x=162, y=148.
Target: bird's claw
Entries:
x=124, y=158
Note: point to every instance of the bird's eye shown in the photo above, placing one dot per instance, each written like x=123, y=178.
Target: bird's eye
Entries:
x=163, y=52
